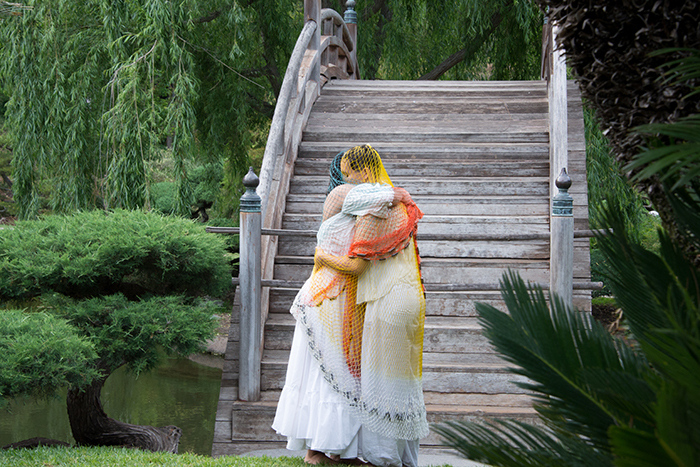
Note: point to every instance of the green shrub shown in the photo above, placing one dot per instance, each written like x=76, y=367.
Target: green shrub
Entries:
x=137, y=332
x=604, y=301
x=597, y=273
x=39, y=353
x=648, y=232
x=163, y=196
x=96, y=253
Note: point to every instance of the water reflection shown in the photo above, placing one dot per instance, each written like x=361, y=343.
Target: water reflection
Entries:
x=179, y=392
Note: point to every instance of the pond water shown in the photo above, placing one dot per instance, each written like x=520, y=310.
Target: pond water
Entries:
x=178, y=392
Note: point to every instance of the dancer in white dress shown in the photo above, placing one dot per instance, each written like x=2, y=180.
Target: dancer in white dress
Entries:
x=361, y=398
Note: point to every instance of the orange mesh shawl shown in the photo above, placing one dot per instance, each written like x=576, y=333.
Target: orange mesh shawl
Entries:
x=327, y=304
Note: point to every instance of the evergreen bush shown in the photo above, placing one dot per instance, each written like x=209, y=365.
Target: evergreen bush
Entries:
x=98, y=253
x=39, y=353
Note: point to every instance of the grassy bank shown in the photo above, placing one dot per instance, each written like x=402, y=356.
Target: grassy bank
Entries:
x=109, y=456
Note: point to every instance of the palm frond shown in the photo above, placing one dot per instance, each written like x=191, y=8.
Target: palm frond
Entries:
x=679, y=161
x=511, y=443
x=685, y=203
x=666, y=285
x=635, y=448
x=553, y=350
x=683, y=69
x=633, y=275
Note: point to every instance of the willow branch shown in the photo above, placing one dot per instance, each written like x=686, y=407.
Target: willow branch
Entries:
x=469, y=51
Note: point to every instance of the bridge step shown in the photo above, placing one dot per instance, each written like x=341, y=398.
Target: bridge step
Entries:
x=443, y=334
x=437, y=303
x=391, y=151
x=475, y=372
x=247, y=424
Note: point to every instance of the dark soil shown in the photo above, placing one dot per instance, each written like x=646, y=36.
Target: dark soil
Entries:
x=605, y=314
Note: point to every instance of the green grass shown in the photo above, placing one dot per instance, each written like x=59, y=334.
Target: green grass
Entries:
x=110, y=456
x=604, y=301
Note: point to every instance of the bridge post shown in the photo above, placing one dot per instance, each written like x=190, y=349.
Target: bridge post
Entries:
x=350, y=18
x=558, y=111
x=250, y=340
x=561, y=271
x=312, y=12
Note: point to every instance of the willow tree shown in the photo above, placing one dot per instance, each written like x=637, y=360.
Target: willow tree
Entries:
x=459, y=39
x=99, y=87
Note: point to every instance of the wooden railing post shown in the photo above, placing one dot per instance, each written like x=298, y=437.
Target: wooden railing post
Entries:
x=250, y=289
x=561, y=271
x=558, y=112
x=350, y=18
x=561, y=260
x=312, y=11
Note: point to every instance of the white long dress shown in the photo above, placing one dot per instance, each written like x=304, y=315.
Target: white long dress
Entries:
x=311, y=412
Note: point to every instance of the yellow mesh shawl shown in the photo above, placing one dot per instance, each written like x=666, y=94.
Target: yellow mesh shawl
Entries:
x=363, y=307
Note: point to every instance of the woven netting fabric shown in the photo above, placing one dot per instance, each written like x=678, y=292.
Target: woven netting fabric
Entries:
x=363, y=308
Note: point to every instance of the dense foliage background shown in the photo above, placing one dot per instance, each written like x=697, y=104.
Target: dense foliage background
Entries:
x=164, y=104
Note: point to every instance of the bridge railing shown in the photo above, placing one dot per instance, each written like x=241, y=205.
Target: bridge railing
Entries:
x=325, y=50
x=561, y=271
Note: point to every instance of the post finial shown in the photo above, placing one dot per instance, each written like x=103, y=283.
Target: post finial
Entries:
x=251, y=180
x=250, y=201
x=563, y=181
x=350, y=14
x=562, y=202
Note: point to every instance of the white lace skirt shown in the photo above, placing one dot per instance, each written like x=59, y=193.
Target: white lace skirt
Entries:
x=311, y=415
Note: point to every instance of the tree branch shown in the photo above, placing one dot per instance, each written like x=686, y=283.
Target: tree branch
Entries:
x=469, y=51
x=209, y=18
x=261, y=106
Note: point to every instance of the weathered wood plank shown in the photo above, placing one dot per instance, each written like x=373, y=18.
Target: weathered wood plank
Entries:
x=437, y=303
x=527, y=186
x=418, y=105
x=442, y=169
x=379, y=84
x=471, y=271
x=498, y=130
x=443, y=249
x=352, y=136
x=437, y=205
x=426, y=150
x=358, y=120
x=415, y=93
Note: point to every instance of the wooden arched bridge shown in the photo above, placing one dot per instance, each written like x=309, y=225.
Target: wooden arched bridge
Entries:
x=479, y=158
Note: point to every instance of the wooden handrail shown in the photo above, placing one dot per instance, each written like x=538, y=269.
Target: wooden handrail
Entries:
x=330, y=14
x=429, y=237
x=279, y=283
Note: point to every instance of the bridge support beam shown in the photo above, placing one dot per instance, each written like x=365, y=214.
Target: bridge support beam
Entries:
x=250, y=342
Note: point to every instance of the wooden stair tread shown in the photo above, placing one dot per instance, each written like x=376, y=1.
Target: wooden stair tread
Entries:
x=438, y=262
x=461, y=322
